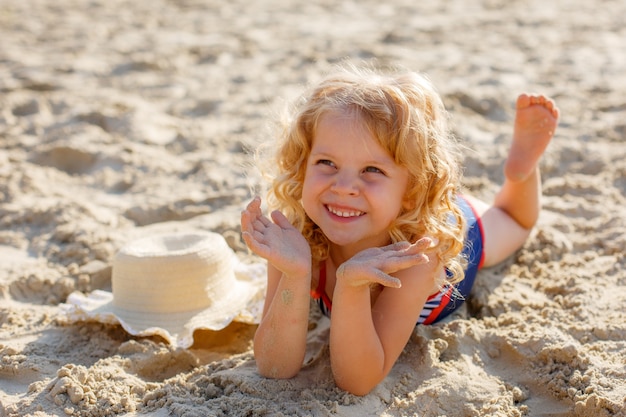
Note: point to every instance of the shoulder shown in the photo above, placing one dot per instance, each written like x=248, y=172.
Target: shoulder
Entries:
x=418, y=283
x=424, y=277
x=401, y=307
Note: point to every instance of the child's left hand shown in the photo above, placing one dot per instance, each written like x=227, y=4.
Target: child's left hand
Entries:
x=374, y=265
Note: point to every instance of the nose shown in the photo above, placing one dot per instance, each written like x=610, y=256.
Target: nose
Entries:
x=345, y=183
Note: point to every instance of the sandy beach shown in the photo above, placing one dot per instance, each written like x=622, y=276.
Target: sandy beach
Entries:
x=123, y=119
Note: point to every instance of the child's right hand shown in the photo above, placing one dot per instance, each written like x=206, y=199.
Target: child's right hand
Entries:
x=374, y=265
x=277, y=241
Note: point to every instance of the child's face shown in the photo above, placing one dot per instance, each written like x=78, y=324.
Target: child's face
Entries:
x=353, y=189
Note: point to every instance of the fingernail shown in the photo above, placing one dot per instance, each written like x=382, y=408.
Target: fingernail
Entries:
x=425, y=242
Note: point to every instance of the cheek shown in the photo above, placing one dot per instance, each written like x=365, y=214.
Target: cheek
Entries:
x=313, y=189
x=311, y=209
x=312, y=184
x=306, y=186
x=307, y=193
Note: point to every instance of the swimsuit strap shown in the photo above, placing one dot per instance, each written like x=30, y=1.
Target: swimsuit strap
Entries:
x=319, y=293
x=321, y=285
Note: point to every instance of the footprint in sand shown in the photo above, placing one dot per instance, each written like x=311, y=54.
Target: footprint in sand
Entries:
x=67, y=159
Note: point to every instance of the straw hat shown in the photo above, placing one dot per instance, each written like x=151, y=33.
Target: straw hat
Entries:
x=171, y=285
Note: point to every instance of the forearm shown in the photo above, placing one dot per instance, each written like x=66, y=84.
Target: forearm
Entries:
x=357, y=355
x=280, y=340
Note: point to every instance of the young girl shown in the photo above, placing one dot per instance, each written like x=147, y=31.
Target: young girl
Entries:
x=368, y=219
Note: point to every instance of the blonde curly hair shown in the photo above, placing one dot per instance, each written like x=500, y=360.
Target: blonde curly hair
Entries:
x=404, y=113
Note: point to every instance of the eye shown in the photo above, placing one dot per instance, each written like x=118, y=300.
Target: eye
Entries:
x=325, y=162
x=373, y=170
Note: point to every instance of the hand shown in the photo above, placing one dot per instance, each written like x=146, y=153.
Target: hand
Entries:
x=278, y=242
x=374, y=265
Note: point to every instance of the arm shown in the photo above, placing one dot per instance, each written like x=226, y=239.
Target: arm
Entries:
x=280, y=339
x=366, y=340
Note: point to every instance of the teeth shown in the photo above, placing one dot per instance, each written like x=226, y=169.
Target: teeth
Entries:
x=344, y=213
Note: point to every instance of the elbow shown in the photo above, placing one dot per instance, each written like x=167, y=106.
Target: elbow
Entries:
x=357, y=379
x=360, y=392
x=273, y=371
x=356, y=387
x=270, y=367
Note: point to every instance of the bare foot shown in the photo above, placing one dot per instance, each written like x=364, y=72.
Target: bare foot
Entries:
x=535, y=123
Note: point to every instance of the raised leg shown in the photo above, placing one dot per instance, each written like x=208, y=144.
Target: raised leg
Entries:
x=508, y=222
x=535, y=122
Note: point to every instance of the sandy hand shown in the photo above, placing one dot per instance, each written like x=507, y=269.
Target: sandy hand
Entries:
x=277, y=241
x=374, y=265
x=535, y=122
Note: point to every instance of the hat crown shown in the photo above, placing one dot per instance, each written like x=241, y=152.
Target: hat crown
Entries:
x=172, y=273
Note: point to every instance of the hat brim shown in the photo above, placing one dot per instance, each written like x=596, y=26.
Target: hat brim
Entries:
x=243, y=303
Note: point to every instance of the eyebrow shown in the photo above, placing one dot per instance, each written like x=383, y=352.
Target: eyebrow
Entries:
x=387, y=163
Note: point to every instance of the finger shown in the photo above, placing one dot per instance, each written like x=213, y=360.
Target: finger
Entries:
x=398, y=246
x=387, y=280
x=253, y=209
x=252, y=221
x=399, y=263
x=255, y=216
x=255, y=204
x=246, y=220
x=405, y=247
x=255, y=246
x=401, y=249
x=378, y=277
x=367, y=276
x=280, y=219
x=263, y=221
x=424, y=243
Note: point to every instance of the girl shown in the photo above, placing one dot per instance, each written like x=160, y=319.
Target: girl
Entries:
x=368, y=219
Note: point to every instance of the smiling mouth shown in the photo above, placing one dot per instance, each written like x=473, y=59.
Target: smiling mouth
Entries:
x=344, y=213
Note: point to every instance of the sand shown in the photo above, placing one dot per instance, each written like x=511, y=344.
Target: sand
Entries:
x=120, y=119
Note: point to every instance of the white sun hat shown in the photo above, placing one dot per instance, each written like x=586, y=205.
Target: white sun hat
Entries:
x=170, y=285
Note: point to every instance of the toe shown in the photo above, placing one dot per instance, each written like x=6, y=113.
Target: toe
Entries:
x=523, y=100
